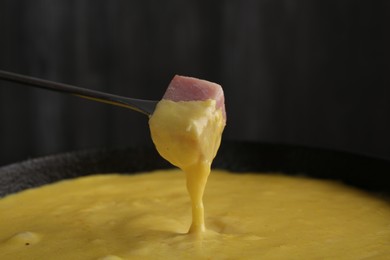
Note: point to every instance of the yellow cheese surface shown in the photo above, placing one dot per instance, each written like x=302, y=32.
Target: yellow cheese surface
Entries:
x=146, y=216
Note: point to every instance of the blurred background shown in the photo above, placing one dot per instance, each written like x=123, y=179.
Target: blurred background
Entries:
x=312, y=73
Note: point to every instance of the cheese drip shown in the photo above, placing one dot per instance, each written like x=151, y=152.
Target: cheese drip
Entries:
x=188, y=135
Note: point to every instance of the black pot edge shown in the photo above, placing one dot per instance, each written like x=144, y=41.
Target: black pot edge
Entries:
x=242, y=156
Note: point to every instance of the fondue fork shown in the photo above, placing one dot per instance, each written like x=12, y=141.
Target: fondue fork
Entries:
x=146, y=107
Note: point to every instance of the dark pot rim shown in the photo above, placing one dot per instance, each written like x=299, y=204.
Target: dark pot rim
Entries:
x=361, y=171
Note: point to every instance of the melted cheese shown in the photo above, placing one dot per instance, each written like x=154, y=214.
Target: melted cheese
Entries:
x=188, y=135
x=146, y=216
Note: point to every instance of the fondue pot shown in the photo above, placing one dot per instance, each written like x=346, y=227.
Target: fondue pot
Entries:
x=372, y=174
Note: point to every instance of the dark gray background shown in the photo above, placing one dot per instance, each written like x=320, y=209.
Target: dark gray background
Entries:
x=303, y=72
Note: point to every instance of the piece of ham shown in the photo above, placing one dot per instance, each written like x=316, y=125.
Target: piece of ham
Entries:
x=184, y=88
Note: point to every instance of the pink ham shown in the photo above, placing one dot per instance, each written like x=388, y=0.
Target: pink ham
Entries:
x=192, y=89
